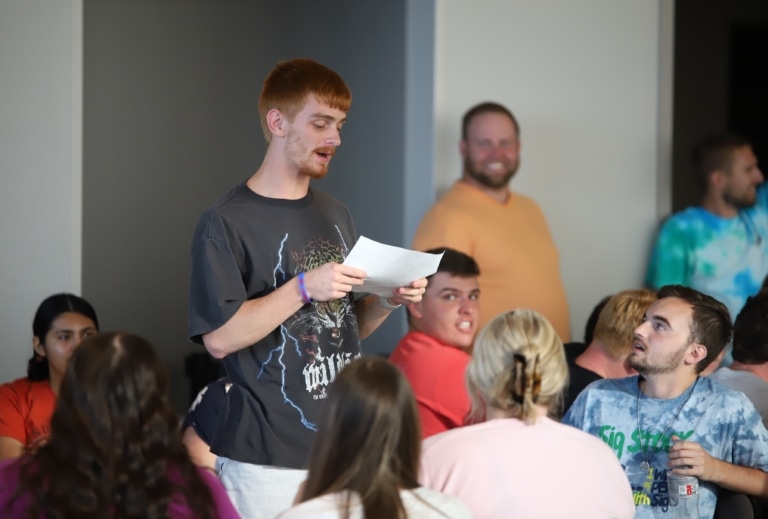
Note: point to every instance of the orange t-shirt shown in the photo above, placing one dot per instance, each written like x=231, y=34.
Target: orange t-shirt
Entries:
x=26, y=408
x=511, y=243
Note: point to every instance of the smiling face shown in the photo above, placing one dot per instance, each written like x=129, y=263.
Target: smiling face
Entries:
x=64, y=335
x=663, y=339
x=491, y=151
x=449, y=309
x=312, y=137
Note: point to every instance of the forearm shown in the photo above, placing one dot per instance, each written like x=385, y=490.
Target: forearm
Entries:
x=744, y=480
x=254, y=320
x=10, y=448
x=370, y=315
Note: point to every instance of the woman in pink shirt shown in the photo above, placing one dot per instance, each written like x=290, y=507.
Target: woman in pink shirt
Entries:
x=518, y=462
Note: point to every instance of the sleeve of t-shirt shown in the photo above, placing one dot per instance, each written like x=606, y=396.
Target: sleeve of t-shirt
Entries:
x=11, y=415
x=750, y=438
x=575, y=414
x=216, y=288
x=204, y=411
x=668, y=264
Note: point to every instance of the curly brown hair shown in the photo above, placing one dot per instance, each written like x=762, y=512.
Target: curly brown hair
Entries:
x=115, y=448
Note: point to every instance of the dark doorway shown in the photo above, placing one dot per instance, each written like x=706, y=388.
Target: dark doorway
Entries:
x=720, y=81
x=748, y=88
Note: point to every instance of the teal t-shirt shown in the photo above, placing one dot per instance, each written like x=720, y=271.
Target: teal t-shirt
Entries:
x=726, y=258
x=723, y=421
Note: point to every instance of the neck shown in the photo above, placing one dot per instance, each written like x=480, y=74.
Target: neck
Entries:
x=667, y=385
x=597, y=359
x=500, y=194
x=761, y=370
x=714, y=203
x=277, y=179
x=54, y=379
x=493, y=413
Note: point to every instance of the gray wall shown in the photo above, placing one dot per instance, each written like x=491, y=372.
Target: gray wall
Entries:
x=171, y=122
x=40, y=165
x=588, y=81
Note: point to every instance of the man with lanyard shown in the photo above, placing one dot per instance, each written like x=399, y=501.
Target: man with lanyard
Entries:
x=671, y=418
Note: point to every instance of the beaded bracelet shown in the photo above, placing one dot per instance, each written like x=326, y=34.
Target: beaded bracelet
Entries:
x=303, y=290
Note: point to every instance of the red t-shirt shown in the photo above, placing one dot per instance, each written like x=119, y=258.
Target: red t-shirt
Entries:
x=436, y=373
x=26, y=408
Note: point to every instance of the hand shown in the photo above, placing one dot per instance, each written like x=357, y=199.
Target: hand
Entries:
x=409, y=294
x=332, y=281
x=690, y=459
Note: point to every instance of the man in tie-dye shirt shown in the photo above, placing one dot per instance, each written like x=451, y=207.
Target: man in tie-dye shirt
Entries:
x=721, y=247
x=669, y=418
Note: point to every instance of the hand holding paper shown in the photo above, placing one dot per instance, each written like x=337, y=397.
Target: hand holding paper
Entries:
x=389, y=267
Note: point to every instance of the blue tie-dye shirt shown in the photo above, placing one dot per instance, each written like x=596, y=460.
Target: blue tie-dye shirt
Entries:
x=726, y=258
x=723, y=421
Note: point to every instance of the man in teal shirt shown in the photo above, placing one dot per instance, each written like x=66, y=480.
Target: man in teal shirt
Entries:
x=721, y=247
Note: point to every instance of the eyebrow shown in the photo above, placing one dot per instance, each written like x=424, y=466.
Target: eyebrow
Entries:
x=326, y=117
x=70, y=330
x=458, y=290
x=662, y=319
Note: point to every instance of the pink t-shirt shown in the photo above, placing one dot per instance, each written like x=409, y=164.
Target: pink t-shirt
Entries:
x=9, y=477
x=436, y=373
x=506, y=468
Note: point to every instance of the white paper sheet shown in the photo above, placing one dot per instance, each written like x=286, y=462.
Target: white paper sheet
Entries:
x=389, y=267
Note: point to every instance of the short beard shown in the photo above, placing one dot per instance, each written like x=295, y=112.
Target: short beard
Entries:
x=740, y=202
x=314, y=174
x=483, y=179
x=668, y=367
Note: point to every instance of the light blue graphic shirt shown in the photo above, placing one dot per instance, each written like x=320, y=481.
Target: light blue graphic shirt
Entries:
x=723, y=421
x=726, y=258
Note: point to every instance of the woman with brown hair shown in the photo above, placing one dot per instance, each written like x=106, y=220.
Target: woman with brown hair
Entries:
x=365, y=457
x=518, y=462
x=115, y=448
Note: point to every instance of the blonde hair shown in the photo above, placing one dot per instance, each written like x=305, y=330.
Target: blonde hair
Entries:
x=518, y=363
x=616, y=324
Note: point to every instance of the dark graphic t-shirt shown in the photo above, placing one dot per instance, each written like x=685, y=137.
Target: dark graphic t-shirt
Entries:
x=245, y=246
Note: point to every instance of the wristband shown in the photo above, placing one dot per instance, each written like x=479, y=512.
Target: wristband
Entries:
x=303, y=290
x=384, y=302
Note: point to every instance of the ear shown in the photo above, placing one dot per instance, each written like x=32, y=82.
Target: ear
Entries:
x=415, y=310
x=276, y=122
x=717, y=179
x=696, y=353
x=463, y=148
x=38, y=346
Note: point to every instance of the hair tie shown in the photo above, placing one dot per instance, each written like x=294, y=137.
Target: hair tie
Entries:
x=520, y=383
x=520, y=378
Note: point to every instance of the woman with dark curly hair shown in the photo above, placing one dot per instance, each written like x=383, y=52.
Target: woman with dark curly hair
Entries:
x=115, y=448
x=26, y=404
